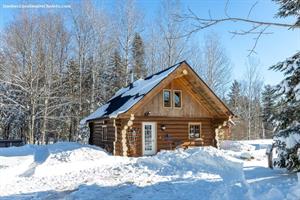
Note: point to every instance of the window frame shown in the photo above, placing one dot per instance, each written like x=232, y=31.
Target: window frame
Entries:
x=104, y=138
x=163, y=98
x=189, y=130
x=180, y=91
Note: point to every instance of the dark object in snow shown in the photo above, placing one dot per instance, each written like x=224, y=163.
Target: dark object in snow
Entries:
x=11, y=143
x=269, y=153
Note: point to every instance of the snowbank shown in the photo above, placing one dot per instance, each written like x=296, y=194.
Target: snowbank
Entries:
x=33, y=160
x=236, y=146
x=195, y=160
x=75, y=171
x=71, y=170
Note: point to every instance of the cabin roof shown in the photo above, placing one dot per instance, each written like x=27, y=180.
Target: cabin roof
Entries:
x=127, y=97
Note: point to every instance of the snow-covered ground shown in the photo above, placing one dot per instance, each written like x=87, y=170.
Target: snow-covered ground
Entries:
x=74, y=171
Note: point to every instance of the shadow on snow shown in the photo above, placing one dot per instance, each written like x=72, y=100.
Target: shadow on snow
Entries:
x=184, y=189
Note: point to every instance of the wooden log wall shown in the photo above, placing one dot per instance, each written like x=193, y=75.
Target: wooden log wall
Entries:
x=176, y=132
x=96, y=134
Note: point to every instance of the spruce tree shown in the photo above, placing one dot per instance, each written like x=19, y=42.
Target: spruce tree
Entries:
x=138, y=56
x=289, y=8
x=235, y=96
x=268, y=110
x=287, y=136
x=117, y=72
x=288, y=92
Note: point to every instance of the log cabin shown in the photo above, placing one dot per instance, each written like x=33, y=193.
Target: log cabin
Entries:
x=169, y=109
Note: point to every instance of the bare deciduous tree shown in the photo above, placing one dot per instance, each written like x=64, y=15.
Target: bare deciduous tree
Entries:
x=256, y=28
x=215, y=65
x=127, y=25
x=252, y=90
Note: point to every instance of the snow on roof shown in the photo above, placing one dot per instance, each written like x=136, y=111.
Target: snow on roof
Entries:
x=126, y=97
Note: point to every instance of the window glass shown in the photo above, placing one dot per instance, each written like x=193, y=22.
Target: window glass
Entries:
x=177, y=99
x=104, y=133
x=194, y=131
x=167, y=98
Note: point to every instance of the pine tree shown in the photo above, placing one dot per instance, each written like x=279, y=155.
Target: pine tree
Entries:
x=138, y=55
x=235, y=96
x=117, y=72
x=289, y=8
x=288, y=92
x=268, y=107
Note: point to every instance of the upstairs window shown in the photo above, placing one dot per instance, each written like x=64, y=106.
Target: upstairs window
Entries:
x=167, y=98
x=177, y=99
x=194, y=130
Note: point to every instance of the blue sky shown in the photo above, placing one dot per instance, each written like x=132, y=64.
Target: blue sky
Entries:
x=271, y=49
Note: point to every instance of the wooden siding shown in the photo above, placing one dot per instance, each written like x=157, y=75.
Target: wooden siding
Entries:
x=190, y=106
x=96, y=136
x=191, y=83
x=177, y=130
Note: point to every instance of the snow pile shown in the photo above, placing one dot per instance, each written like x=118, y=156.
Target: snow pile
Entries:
x=236, y=146
x=178, y=174
x=247, y=149
x=71, y=156
x=34, y=160
x=75, y=171
x=194, y=160
x=246, y=156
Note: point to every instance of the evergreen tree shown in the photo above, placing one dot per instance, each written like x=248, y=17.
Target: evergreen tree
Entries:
x=71, y=83
x=268, y=110
x=288, y=116
x=289, y=8
x=235, y=96
x=288, y=92
x=117, y=72
x=138, y=55
x=268, y=103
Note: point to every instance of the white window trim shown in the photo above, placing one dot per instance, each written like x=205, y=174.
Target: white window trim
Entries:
x=163, y=98
x=103, y=133
x=195, y=123
x=180, y=99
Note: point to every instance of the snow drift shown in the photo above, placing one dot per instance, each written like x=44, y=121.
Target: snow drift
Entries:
x=236, y=146
x=195, y=160
x=71, y=170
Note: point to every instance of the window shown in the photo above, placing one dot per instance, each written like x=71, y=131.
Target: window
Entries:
x=177, y=99
x=194, y=130
x=167, y=98
x=103, y=130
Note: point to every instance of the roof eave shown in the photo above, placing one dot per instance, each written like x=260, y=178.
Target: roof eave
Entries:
x=230, y=113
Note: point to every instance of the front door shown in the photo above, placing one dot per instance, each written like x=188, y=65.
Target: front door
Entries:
x=149, y=138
